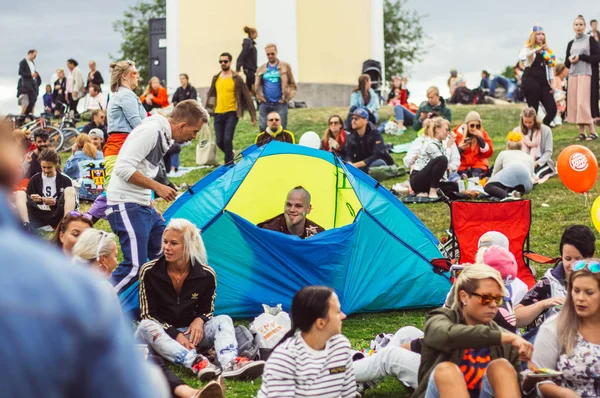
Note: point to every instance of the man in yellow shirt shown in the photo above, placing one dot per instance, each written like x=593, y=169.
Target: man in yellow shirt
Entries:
x=227, y=99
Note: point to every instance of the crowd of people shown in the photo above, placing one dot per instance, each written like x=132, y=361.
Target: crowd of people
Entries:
x=469, y=347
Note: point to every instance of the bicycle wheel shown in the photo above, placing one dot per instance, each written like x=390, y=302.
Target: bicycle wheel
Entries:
x=56, y=137
x=70, y=136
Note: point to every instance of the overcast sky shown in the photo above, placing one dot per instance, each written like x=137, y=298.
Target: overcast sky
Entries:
x=469, y=35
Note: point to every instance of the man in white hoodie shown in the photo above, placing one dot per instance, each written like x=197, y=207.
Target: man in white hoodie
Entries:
x=131, y=211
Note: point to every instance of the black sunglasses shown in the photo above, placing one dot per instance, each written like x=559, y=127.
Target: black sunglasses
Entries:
x=223, y=61
x=474, y=126
x=274, y=120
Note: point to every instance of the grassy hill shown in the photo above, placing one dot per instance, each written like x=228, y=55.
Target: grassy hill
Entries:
x=564, y=208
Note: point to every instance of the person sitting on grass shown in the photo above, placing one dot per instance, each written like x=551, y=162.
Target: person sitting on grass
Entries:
x=97, y=137
x=177, y=301
x=70, y=229
x=155, y=95
x=570, y=342
x=99, y=250
x=335, y=137
x=98, y=122
x=513, y=173
x=31, y=165
x=274, y=131
x=364, y=97
x=537, y=142
x=435, y=103
x=313, y=359
x=293, y=220
x=82, y=150
x=49, y=197
x=548, y=295
x=464, y=351
x=474, y=145
x=365, y=147
x=432, y=160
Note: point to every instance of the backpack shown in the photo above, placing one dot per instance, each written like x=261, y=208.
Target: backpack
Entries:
x=248, y=343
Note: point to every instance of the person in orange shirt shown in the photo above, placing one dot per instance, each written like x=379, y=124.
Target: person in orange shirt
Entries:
x=155, y=95
x=474, y=145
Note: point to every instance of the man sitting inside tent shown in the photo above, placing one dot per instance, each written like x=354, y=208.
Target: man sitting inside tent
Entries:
x=274, y=131
x=293, y=220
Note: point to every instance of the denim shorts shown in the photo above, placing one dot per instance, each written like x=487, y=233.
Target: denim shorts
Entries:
x=432, y=390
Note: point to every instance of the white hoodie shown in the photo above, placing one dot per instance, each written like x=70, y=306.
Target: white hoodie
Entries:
x=142, y=151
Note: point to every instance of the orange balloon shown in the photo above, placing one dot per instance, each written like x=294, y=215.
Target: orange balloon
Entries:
x=577, y=168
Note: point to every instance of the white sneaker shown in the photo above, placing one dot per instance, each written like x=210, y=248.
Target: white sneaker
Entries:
x=244, y=369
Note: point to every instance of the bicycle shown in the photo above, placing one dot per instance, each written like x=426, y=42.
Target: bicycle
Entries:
x=63, y=135
x=39, y=123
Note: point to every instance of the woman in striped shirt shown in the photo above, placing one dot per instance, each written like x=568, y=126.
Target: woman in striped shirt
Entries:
x=313, y=359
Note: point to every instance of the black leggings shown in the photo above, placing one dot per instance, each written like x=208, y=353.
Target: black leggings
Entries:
x=536, y=91
x=501, y=191
x=250, y=79
x=430, y=176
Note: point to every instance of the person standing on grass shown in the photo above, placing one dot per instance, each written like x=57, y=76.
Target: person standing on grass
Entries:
x=275, y=87
x=94, y=77
x=583, y=55
x=227, y=99
x=313, y=359
x=538, y=76
x=131, y=211
x=124, y=113
x=29, y=81
x=75, y=86
x=247, y=58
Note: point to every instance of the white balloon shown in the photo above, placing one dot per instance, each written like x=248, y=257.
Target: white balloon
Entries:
x=310, y=139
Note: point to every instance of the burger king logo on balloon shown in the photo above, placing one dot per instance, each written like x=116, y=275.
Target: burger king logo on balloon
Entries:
x=578, y=161
x=577, y=168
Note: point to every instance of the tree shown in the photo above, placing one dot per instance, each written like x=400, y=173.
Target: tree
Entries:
x=509, y=72
x=134, y=30
x=403, y=37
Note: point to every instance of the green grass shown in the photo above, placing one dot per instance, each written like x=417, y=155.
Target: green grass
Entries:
x=565, y=208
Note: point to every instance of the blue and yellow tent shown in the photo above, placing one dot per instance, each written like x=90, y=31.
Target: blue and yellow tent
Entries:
x=375, y=253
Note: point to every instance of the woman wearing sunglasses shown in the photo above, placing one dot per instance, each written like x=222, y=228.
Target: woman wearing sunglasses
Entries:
x=474, y=145
x=334, y=139
x=513, y=173
x=570, y=342
x=70, y=229
x=464, y=352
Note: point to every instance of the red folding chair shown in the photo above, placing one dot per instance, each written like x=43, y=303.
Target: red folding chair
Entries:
x=469, y=220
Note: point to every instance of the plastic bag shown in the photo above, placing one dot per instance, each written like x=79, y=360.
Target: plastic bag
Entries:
x=271, y=328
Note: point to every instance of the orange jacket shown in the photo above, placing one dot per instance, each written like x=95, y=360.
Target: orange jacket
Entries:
x=161, y=98
x=473, y=156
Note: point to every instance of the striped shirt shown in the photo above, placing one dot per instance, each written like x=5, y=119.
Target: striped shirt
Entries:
x=296, y=370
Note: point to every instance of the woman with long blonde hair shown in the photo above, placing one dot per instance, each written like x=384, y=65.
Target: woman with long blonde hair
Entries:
x=83, y=150
x=570, y=342
x=538, y=75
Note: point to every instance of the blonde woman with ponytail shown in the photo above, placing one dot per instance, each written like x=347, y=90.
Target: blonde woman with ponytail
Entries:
x=123, y=113
x=432, y=159
x=82, y=150
x=247, y=58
